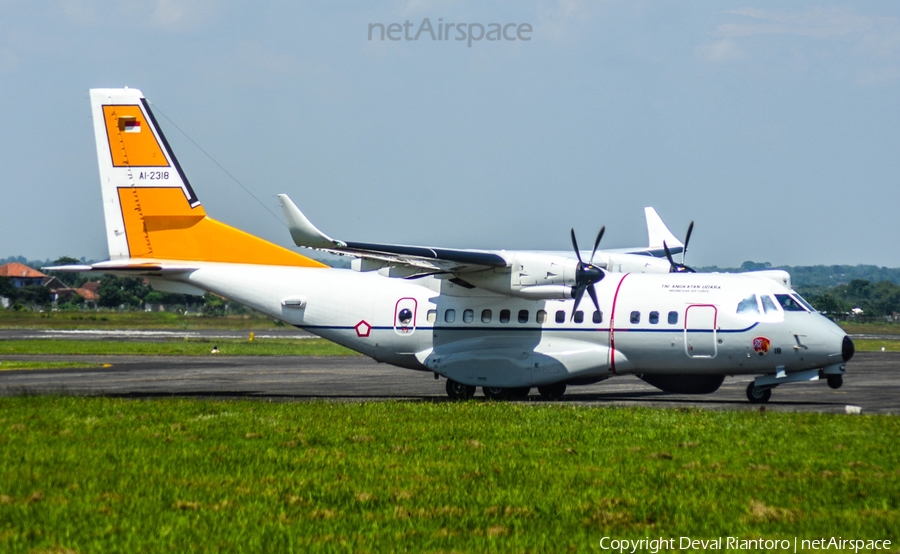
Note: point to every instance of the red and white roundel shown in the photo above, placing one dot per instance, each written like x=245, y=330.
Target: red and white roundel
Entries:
x=761, y=345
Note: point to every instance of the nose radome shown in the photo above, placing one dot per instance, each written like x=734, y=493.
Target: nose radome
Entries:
x=847, y=349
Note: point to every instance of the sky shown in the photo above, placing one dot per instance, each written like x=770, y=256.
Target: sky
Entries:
x=774, y=126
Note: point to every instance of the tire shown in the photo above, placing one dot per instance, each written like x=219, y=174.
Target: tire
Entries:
x=758, y=395
x=835, y=381
x=519, y=393
x=553, y=392
x=496, y=393
x=458, y=391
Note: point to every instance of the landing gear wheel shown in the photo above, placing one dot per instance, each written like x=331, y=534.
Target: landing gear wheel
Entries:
x=496, y=393
x=458, y=391
x=835, y=381
x=553, y=392
x=519, y=393
x=758, y=395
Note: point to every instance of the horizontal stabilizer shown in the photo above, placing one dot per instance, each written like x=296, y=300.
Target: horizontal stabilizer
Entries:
x=123, y=266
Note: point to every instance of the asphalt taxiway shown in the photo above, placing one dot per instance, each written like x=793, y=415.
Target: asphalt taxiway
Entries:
x=872, y=383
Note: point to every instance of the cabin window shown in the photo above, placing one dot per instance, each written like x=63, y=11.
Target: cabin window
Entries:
x=450, y=316
x=635, y=317
x=468, y=316
x=597, y=317
x=560, y=316
x=654, y=318
x=579, y=317
x=788, y=303
x=523, y=316
x=486, y=316
x=768, y=305
x=673, y=318
x=748, y=305
x=541, y=316
x=432, y=316
x=504, y=316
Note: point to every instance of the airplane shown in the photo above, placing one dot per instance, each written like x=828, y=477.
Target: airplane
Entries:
x=504, y=321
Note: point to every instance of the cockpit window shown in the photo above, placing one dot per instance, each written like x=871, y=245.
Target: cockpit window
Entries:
x=789, y=304
x=801, y=300
x=748, y=305
x=768, y=305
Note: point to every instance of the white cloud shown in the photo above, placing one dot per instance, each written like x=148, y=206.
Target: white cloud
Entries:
x=179, y=14
x=563, y=19
x=814, y=22
x=168, y=15
x=722, y=51
x=872, y=41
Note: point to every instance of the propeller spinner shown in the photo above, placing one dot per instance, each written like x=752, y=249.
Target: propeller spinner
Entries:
x=586, y=274
x=676, y=267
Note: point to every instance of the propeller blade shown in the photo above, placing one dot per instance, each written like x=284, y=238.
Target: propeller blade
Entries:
x=669, y=255
x=597, y=243
x=687, y=239
x=579, y=292
x=575, y=246
x=593, y=294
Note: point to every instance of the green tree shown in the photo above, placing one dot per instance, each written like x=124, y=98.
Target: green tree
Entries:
x=34, y=294
x=7, y=289
x=755, y=266
x=122, y=291
x=72, y=280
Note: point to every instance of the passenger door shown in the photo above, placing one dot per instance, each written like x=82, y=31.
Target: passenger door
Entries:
x=700, y=338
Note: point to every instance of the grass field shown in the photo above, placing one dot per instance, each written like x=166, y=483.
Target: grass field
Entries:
x=100, y=475
x=131, y=320
x=202, y=347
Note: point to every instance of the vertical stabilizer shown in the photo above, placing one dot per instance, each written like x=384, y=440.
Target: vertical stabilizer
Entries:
x=657, y=232
x=151, y=211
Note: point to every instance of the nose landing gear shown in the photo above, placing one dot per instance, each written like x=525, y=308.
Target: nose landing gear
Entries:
x=758, y=395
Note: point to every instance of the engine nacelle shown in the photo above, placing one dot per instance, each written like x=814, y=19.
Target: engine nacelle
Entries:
x=636, y=263
x=530, y=275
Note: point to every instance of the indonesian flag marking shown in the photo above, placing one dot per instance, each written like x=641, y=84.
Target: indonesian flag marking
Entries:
x=129, y=125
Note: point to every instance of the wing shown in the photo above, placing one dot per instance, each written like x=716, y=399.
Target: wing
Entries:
x=425, y=258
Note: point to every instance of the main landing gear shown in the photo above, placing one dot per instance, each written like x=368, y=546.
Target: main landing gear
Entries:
x=501, y=393
x=459, y=391
x=552, y=392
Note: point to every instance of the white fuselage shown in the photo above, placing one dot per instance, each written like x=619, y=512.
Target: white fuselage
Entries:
x=649, y=324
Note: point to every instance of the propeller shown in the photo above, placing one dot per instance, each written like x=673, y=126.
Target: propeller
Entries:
x=676, y=267
x=586, y=274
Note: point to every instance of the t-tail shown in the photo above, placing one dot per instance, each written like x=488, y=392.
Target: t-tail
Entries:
x=152, y=213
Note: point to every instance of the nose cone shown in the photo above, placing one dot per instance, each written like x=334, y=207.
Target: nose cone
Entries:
x=847, y=349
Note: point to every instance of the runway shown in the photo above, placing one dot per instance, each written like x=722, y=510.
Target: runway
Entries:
x=871, y=383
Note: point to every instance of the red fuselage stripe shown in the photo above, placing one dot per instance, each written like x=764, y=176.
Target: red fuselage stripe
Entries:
x=612, y=326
